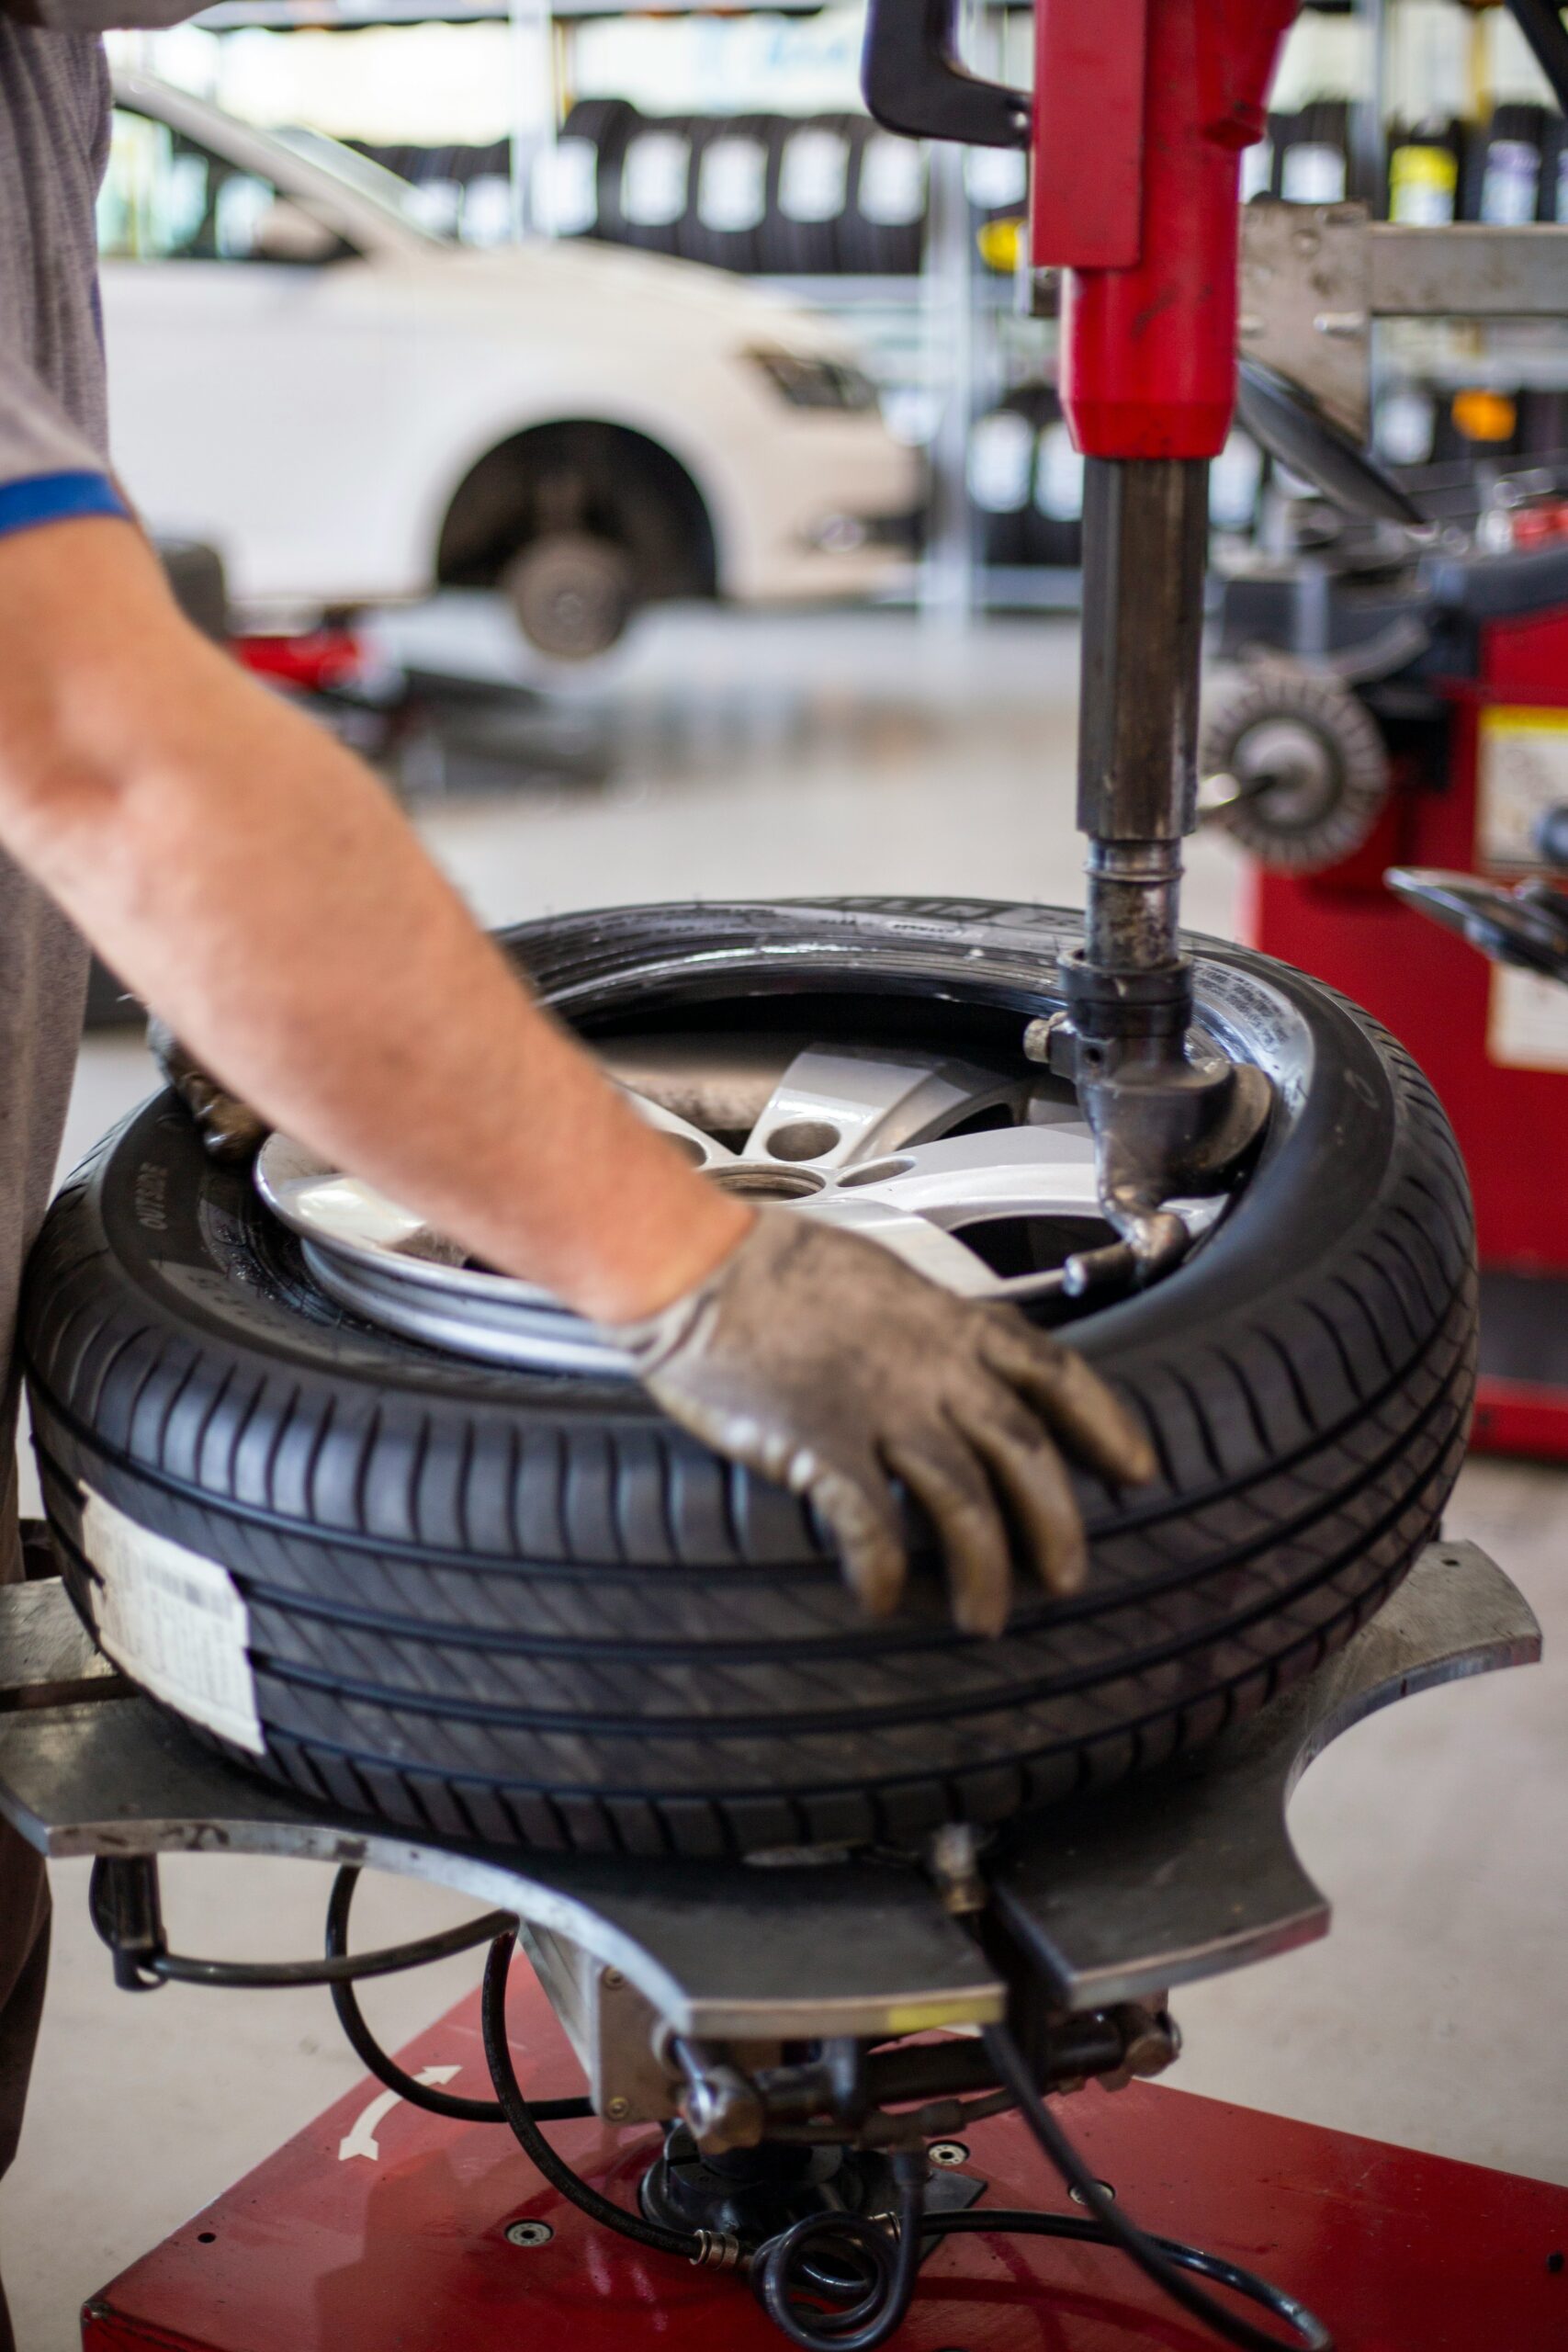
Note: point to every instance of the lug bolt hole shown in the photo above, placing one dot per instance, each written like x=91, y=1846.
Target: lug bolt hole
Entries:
x=804, y=1139
x=757, y=1180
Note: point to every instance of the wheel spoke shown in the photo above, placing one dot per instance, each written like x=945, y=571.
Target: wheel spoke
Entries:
x=835, y=1106
x=941, y=1256
x=1044, y=1170
x=703, y=1149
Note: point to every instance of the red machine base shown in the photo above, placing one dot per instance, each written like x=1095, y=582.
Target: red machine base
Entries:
x=1516, y=1417
x=379, y=2229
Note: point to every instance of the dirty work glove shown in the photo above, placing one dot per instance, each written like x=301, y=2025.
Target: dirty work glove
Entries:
x=821, y=1360
x=229, y=1128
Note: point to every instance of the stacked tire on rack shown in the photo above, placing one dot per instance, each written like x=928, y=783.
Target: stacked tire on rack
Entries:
x=1025, y=482
x=780, y=196
x=771, y=195
x=463, y=192
x=522, y=1606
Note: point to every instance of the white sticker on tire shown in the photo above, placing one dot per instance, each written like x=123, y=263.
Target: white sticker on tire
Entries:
x=174, y=1622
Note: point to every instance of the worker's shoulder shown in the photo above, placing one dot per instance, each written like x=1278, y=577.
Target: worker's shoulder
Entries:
x=55, y=105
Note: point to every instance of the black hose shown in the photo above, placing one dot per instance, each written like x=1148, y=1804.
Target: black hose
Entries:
x=1081, y=2231
x=846, y=2261
x=520, y=2116
x=1540, y=21
x=1160, y=2259
x=386, y=2069
x=252, y=1975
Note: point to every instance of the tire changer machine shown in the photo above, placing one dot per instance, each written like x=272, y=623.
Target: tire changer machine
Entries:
x=1402, y=705
x=823, y=2031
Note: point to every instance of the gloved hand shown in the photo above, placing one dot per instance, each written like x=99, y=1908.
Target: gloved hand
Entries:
x=229, y=1128
x=821, y=1361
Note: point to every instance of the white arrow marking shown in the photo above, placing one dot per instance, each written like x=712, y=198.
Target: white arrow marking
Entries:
x=362, y=2141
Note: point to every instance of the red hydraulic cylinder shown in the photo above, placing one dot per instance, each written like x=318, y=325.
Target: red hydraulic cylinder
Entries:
x=1147, y=104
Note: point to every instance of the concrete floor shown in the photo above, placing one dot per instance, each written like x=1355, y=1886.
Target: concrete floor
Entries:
x=862, y=753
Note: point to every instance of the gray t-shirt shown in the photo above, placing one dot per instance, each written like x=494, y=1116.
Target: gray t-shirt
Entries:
x=53, y=462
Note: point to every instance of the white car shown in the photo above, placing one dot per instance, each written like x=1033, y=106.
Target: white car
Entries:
x=355, y=411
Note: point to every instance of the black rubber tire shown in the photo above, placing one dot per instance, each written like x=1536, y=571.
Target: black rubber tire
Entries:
x=654, y=236
x=697, y=238
x=874, y=247
x=806, y=248
x=518, y=1607
x=1008, y=532
x=1056, y=540
x=608, y=123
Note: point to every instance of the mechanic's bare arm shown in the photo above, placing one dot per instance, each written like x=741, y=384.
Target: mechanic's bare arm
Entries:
x=256, y=885
x=253, y=880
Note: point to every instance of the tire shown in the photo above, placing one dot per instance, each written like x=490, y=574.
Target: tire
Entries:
x=525, y=1608
x=672, y=139
x=1000, y=476
x=710, y=232
x=605, y=124
x=1055, y=527
x=885, y=226
x=809, y=181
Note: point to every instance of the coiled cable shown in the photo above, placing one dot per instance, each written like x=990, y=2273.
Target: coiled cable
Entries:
x=856, y=2301
x=847, y=2262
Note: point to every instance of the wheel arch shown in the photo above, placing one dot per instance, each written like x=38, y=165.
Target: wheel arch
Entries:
x=629, y=484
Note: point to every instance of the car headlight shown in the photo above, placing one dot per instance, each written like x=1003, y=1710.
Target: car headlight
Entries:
x=816, y=382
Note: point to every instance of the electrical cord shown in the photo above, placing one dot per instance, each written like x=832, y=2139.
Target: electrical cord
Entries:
x=866, y=2275
x=385, y=2068
x=1162, y=2260
x=1080, y=2230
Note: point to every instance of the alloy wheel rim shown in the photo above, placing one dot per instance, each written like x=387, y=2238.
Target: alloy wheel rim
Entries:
x=932, y=1155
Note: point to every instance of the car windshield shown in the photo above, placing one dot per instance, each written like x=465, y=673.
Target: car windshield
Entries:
x=372, y=182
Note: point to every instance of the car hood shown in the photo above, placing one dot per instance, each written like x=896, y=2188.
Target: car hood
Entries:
x=572, y=277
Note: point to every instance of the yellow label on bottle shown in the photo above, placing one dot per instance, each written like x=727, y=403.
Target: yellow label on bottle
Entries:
x=1422, y=185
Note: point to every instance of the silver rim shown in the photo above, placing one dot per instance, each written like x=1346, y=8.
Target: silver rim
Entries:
x=870, y=1138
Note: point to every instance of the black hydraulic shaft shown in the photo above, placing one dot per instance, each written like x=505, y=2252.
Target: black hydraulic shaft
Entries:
x=1165, y=1123
x=1145, y=547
